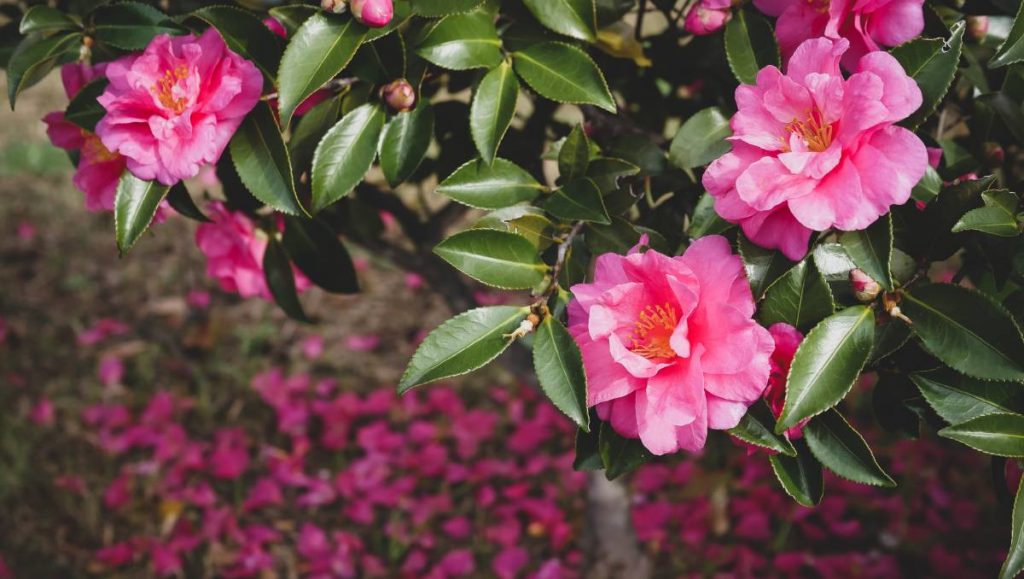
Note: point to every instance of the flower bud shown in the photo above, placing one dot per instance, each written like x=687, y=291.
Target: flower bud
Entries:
x=373, y=13
x=977, y=27
x=708, y=17
x=400, y=95
x=994, y=154
x=865, y=288
x=334, y=6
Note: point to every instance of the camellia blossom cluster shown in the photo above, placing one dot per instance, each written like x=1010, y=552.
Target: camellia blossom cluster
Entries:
x=173, y=108
x=670, y=345
x=813, y=150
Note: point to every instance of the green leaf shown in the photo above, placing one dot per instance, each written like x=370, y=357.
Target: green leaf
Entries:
x=280, y=277
x=800, y=298
x=563, y=73
x=618, y=237
x=1014, y=563
x=524, y=220
x=43, y=18
x=310, y=129
x=1011, y=51
x=827, y=364
x=889, y=337
x=958, y=398
x=34, y=58
x=620, y=455
x=181, y=201
x=462, y=41
x=928, y=187
x=757, y=427
x=967, y=330
x=996, y=434
x=575, y=18
x=345, y=154
x=262, y=161
x=574, y=155
x=135, y=204
x=246, y=35
x=843, y=450
x=606, y=172
x=750, y=45
x=800, y=476
x=559, y=367
x=871, y=250
x=131, y=25
x=588, y=453
x=435, y=8
x=493, y=108
x=381, y=61
x=84, y=110
x=318, y=252
x=497, y=258
x=406, y=140
x=764, y=266
x=293, y=16
x=998, y=217
x=700, y=140
x=323, y=45
x=462, y=344
x=932, y=63
x=578, y=200
x=485, y=186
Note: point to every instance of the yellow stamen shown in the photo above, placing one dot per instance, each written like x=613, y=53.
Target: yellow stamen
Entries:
x=164, y=89
x=814, y=130
x=653, y=331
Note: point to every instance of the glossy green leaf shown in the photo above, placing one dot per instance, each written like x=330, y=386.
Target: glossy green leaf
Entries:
x=800, y=476
x=41, y=18
x=607, y=172
x=131, y=25
x=575, y=18
x=135, y=204
x=578, y=200
x=998, y=217
x=345, y=154
x=497, y=258
x=800, y=298
x=292, y=16
x=318, y=252
x=493, y=108
x=406, y=139
x=958, y=398
x=35, y=57
x=524, y=220
x=181, y=201
x=84, y=110
x=310, y=129
x=381, y=61
x=462, y=41
x=435, y=8
x=262, y=161
x=1012, y=49
x=700, y=140
x=827, y=364
x=928, y=187
x=750, y=45
x=967, y=330
x=462, y=344
x=563, y=73
x=280, y=277
x=757, y=427
x=932, y=63
x=871, y=250
x=843, y=450
x=574, y=155
x=322, y=46
x=705, y=220
x=618, y=237
x=620, y=455
x=485, y=186
x=246, y=35
x=996, y=434
x=764, y=266
x=559, y=367
x=1014, y=564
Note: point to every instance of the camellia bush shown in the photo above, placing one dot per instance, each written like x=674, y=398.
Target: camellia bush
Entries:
x=711, y=218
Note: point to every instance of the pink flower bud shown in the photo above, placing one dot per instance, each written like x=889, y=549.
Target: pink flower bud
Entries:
x=977, y=27
x=865, y=288
x=400, y=95
x=707, y=17
x=373, y=13
x=994, y=154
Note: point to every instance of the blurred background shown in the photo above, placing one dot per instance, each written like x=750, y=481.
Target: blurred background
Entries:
x=151, y=425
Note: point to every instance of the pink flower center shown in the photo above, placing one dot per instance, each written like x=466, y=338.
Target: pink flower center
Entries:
x=814, y=130
x=653, y=332
x=171, y=90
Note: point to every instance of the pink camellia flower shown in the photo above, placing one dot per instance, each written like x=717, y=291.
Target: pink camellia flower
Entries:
x=98, y=169
x=708, y=17
x=787, y=340
x=173, y=108
x=669, y=343
x=234, y=251
x=813, y=151
x=867, y=24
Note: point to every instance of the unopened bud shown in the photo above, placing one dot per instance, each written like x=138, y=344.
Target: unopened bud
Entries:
x=977, y=27
x=864, y=287
x=994, y=154
x=373, y=13
x=704, y=19
x=400, y=95
x=333, y=6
